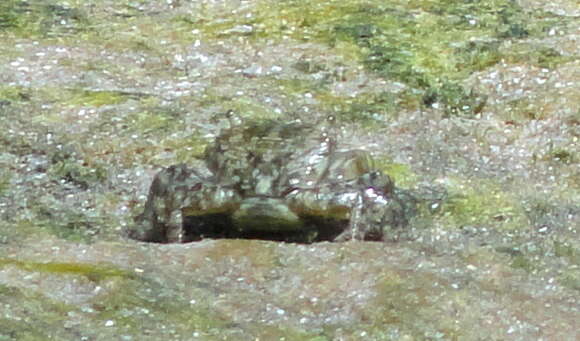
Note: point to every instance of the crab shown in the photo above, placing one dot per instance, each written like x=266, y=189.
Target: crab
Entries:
x=277, y=180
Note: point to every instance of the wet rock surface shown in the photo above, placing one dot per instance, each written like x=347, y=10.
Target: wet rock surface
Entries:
x=242, y=288
x=480, y=98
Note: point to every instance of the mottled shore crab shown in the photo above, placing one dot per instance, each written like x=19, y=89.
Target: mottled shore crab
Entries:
x=276, y=180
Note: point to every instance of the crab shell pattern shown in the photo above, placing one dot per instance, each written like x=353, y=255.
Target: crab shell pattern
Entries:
x=273, y=180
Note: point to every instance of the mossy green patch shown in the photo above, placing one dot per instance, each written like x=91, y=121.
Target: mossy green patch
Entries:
x=403, y=306
x=154, y=142
x=482, y=203
x=365, y=109
x=563, y=155
x=400, y=173
x=79, y=172
x=521, y=110
x=67, y=164
x=35, y=18
x=94, y=98
x=277, y=332
x=296, y=86
x=522, y=261
x=134, y=30
x=541, y=56
x=568, y=250
x=5, y=176
x=28, y=315
x=309, y=67
x=148, y=122
x=428, y=48
x=10, y=94
x=20, y=330
x=129, y=305
x=432, y=46
x=251, y=108
x=394, y=305
x=18, y=231
x=186, y=148
x=571, y=279
x=154, y=118
x=91, y=271
x=72, y=224
x=140, y=307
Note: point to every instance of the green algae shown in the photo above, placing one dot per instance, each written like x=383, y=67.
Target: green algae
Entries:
x=5, y=176
x=568, y=250
x=35, y=18
x=94, y=98
x=66, y=223
x=483, y=204
x=145, y=308
x=401, y=174
x=148, y=122
x=522, y=109
x=531, y=257
x=187, y=149
x=93, y=272
x=524, y=262
x=70, y=163
x=428, y=51
x=129, y=306
x=366, y=109
x=563, y=155
x=296, y=86
x=27, y=315
x=9, y=94
x=431, y=46
x=540, y=56
x=81, y=173
x=402, y=309
x=250, y=108
x=571, y=279
x=271, y=332
x=154, y=121
x=479, y=54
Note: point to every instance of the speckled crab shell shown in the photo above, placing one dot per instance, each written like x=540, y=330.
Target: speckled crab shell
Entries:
x=273, y=180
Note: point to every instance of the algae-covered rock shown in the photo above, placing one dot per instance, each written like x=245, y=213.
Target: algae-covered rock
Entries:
x=247, y=289
x=478, y=97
